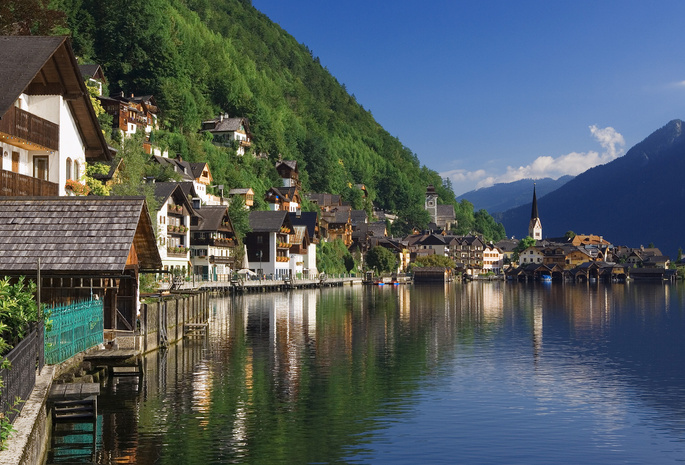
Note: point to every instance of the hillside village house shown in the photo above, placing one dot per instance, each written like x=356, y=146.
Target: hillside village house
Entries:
x=268, y=243
x=48, y=128
x=229, y=132
x=212, y=242
x=173, y=227
x=133, y=115
x=493, y=259
x=303, y=250
x=94, y=250
x=245, y=193
x=196, y=173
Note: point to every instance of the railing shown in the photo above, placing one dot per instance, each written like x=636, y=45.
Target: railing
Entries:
x=75, y=328
x=20, y=185
x=18, y=380
x=20, y=123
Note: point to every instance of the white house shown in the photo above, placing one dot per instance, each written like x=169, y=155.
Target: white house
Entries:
x=173, y=227
x=48, y=128
x=268, y=243
x=532, y=254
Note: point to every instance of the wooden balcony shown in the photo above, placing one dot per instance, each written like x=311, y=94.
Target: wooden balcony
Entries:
x=20, y=185
x=30, y=129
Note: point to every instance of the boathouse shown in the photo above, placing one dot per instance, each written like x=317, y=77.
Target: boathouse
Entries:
x=90, y=248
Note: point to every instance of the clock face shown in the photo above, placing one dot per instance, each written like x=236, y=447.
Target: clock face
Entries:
x=430, y=203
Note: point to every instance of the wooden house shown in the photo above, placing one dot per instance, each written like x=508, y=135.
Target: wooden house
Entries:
x=303, y=251
x=94, y=76
x=48, y=128
x=131, y=115
x=212, y=242
x=197, y=173
x=173, y=226
x=283, y=198
x=88, y=247
x=246, y=193
x=289, y=173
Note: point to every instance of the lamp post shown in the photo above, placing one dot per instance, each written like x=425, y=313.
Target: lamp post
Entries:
x=260, y=264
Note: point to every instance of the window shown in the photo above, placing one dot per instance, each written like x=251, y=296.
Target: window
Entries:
x=77, y=171
x=69, y=169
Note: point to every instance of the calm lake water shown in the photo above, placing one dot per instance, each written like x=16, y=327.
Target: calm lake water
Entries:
x=478, y=373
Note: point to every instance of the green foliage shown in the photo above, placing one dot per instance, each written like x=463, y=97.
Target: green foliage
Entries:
x=333, y=257
x=522, y=245
x=486, y=225
x=240, y=217
x=134, y=167
x=30, y=17
x=18, y=308
x=381, y=259
x=433, y=260
x=569, y=234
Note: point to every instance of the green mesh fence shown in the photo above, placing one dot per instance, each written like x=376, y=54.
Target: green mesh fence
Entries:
x=72, y=329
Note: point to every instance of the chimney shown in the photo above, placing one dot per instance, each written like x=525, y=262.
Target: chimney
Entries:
x=221, y=117
x=196, y=203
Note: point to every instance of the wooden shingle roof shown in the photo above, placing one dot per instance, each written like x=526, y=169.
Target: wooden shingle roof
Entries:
x=268, y=221
x=75, y=234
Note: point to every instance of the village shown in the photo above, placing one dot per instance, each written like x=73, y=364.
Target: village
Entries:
x=98, y=249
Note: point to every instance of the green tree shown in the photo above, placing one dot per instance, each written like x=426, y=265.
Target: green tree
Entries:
x=433, y=260
x=240, y=217
x=569, y=234
x=522, y=245
x=381, y=259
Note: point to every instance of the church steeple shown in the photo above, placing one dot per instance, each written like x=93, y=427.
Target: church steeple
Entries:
x=535, y=226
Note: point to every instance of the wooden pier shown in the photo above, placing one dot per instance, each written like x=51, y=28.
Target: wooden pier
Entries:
x=241, y=286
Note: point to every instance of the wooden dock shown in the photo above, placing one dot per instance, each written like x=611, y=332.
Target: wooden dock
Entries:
x=74, y=401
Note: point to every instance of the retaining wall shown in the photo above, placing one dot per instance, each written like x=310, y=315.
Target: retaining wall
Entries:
x=162, y=322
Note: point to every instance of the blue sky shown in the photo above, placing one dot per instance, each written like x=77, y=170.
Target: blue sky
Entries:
x=494, y=91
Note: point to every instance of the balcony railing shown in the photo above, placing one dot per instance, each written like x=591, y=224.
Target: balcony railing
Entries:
x=20, y=185
x=31, y=128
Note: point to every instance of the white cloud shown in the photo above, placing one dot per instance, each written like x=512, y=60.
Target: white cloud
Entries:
x=572, y=163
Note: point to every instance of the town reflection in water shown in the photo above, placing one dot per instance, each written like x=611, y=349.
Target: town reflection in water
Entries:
x=323, y=370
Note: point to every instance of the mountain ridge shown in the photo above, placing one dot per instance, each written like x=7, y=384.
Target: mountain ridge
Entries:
x=633, y=200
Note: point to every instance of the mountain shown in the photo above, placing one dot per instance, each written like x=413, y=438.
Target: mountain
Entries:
x=507, y=195
x=633, y=200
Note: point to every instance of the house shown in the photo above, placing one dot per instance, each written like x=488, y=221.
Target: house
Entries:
x=493, y=258
x=212, y=242
x=303, y=250
x=289, y=173
x=229, y=132
x=246, y=193
x=133, y=115
x=173, y=226
x=326, y=202
x=268, y=243
x=533, y=254
x=283, y=198
x=48, y=128
x=94, y=75
x=197, y=173
x=88, y=247
x=507, y=247
x=336, y=224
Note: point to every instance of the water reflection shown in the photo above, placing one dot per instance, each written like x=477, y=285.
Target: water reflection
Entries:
x=489, y=372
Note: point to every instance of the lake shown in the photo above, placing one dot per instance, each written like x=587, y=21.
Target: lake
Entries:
x=473, y=373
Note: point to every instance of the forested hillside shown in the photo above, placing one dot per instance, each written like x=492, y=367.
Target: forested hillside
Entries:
x=201, y=57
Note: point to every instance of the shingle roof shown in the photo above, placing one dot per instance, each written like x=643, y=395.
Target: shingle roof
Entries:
x=211, y=217
x=267, y=221
x=307, y=219
x=75, y=234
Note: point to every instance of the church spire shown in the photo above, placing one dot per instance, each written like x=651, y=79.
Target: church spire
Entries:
x=535, y=226
x=534, y=212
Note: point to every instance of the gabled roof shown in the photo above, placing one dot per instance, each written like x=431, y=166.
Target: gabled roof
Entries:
x=358, y=216
x=179, y=166
x=241, y=191
x=178, y=190
x=198, y=168
x=268, y=221
x=308, y=219
x=75, y=235
x=284, y=193
x=92, y=70
x=226, y=124
x=446, y=211
x=210, y=217
x=432, y=239
x=325, y=200
x=37, y=65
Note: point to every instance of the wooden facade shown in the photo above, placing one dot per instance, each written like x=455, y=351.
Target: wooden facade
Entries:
x=29, y=130
x=12, y=183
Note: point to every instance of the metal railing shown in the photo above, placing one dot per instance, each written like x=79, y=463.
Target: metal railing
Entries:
x=18, y=380
x=74, y=328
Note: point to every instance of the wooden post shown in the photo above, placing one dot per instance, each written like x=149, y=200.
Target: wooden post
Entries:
x=38, y=283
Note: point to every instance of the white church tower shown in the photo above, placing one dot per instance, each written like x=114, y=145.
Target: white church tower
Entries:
x=535, y=226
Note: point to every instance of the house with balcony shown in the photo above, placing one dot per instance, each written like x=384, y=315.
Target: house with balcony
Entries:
x=305, y=238
x=289, y=173
x=268, y=243
x=283, y=198
x=48, y=128
x=212, y=242
x=131, y=115
x=196, y=173
x=173, y=227
x=230, y=132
